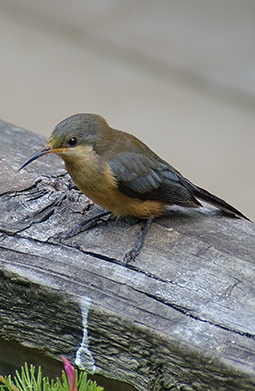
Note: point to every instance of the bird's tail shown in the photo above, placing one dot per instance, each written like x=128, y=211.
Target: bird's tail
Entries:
x=204, y=195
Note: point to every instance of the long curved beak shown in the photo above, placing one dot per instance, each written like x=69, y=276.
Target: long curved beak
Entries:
x=44, y=151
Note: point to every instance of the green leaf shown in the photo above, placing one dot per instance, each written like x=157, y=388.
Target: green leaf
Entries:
x=30, y=379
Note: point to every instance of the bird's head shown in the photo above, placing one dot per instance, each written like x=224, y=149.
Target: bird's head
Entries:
x=73, y=136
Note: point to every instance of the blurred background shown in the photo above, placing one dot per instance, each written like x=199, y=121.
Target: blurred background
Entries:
x=178, y=74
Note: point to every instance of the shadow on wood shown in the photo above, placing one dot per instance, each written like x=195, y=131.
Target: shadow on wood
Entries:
x=181, y=317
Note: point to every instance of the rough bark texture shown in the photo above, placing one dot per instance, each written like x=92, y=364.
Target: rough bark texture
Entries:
x=182, y=317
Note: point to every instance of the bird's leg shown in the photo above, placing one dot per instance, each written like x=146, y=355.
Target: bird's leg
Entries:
x=131, y=255
x=82, y=225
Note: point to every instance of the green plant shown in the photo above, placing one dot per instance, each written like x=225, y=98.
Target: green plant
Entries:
x=32, y=380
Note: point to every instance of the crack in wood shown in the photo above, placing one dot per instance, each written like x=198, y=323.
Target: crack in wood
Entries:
x=188, y=312
x=122, y=264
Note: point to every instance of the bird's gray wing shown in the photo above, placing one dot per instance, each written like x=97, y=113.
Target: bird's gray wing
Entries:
x=140, y=176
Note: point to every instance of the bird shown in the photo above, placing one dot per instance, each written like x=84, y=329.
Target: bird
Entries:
x=121, y=174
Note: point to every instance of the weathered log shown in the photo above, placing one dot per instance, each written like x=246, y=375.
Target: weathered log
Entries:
x=181, y=317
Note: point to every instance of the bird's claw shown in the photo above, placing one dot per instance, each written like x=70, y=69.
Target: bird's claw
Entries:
x=80, y=226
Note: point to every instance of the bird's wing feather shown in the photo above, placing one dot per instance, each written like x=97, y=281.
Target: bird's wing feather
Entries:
x=140, y=176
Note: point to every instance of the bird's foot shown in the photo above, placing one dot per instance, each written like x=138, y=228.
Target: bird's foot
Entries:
x=81, y=225
x=132, y=254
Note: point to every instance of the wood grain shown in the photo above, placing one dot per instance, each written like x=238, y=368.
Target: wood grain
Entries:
x=182, y=317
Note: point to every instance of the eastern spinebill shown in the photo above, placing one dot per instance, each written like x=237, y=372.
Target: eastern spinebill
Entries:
x=121, y=174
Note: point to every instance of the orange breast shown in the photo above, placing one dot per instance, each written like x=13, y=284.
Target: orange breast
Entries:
x=98, y=183
x=122, y=205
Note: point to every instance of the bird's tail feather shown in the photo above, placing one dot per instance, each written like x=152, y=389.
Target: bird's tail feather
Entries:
x=206, y=196
x=216, y=201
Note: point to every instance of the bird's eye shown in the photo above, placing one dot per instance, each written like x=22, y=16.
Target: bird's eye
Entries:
x=73, y=141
